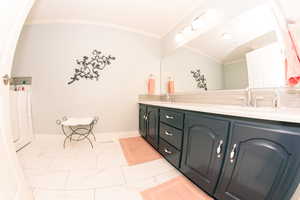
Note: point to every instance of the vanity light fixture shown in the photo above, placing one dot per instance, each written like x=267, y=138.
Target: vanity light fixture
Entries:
x=205, y=18
x=197, y=23
x=179, y=37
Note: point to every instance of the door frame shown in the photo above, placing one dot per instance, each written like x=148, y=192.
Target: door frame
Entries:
x=14, y=16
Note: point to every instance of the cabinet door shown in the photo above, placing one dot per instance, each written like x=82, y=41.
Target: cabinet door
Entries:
x=260, y=163
x=152, y=127
x=204, y=145
x=142, y=120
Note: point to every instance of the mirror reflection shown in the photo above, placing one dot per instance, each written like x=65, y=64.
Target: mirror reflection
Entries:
x=244, y=52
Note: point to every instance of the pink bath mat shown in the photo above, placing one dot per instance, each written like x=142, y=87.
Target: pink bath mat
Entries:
x=178, y=188
x=136, y=150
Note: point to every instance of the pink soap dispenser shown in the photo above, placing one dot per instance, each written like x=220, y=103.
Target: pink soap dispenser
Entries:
x=151, y=85
x=170, y=86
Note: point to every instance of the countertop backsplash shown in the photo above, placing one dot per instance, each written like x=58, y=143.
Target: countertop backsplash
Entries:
x=271, y=97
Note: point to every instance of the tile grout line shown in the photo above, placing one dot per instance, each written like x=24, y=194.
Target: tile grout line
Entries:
x=94, y=194
x=123, y=174
x=67, y=179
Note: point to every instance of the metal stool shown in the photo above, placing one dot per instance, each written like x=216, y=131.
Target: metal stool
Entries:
x=79, y=128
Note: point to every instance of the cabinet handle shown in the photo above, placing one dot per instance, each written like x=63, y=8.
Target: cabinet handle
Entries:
x=169, y=117
x=168, y=134
x=219, y=149
x=167, y=151
x=232, y=153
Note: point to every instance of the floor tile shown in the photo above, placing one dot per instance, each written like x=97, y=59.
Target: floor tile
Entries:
x=64, y=195
x=101, y=171
x=117, y=193
x=35, y=162
x=95, y=178
x=146, y=170
x=46, y=179
x=142, y=184
x=136, y=150
x=178, y=188
x=75, y=162
x=111, y=159
x=168, y=175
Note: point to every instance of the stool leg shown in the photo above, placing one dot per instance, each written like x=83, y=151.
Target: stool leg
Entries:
x=93, y=135
x=90, y=142
x=65, y=141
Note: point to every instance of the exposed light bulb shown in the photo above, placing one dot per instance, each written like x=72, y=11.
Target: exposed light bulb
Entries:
x=197, y=23
x=226, y=36
x=187, y=30
x=179, y=37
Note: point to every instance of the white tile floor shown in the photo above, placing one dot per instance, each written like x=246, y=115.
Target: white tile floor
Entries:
x=81, y=173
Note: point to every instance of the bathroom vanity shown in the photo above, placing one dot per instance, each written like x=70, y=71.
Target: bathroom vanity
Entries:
x=229, y=156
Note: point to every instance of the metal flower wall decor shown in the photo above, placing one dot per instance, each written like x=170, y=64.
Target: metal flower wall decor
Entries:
x=90, y=67
x=200, y=79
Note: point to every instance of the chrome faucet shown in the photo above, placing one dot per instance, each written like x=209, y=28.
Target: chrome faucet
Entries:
x=246, y=99
x=256, y=99
x=276, y=99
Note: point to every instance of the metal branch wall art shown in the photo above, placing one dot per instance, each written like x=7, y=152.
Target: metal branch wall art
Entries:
x=90, y=67
x=200, y=79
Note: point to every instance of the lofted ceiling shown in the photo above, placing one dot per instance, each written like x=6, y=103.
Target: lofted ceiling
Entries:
x=255, y=26
x=153, y=17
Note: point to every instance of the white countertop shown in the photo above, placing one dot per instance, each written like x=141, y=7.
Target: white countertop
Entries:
x=266, y=113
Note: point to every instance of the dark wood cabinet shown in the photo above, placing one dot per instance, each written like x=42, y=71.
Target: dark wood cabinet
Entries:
x=204, y=146
x=170, y=153
x=230, y=158
x=142, y=120
x=152, y=125
x=149, y=123
x=261, y=162
x=172, y=117
x=170, y=134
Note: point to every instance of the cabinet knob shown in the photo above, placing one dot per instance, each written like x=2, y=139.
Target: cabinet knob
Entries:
x=219, y=149
x=167, y=151
x=168, y=134
x=169, y=117
x=232, y=153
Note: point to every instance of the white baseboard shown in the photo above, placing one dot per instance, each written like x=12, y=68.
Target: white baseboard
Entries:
x=100, y=137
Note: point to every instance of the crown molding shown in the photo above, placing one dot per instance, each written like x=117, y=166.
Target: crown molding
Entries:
x=87, y=22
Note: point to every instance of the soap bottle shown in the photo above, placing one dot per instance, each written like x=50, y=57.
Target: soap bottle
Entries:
x=170, y=86
x=151, y=84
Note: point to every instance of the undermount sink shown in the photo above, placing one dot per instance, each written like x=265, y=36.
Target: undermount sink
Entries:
x=247, y=108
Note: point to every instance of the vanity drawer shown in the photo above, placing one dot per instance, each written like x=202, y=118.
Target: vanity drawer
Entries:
x=171, y=135
x=169, y=152
x=172, y=118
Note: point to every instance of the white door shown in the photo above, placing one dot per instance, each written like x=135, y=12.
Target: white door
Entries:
x=12, y=16
x=14, y=115
x=266, y=67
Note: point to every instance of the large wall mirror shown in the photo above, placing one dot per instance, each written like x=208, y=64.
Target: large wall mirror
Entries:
x=244, y=51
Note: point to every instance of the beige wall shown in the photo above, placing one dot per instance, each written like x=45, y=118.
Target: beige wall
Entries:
x=48, y=53
x=235, y=75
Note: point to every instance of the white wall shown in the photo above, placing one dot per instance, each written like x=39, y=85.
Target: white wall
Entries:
x=48, y=53
x=235, y=75
x=179, y=66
